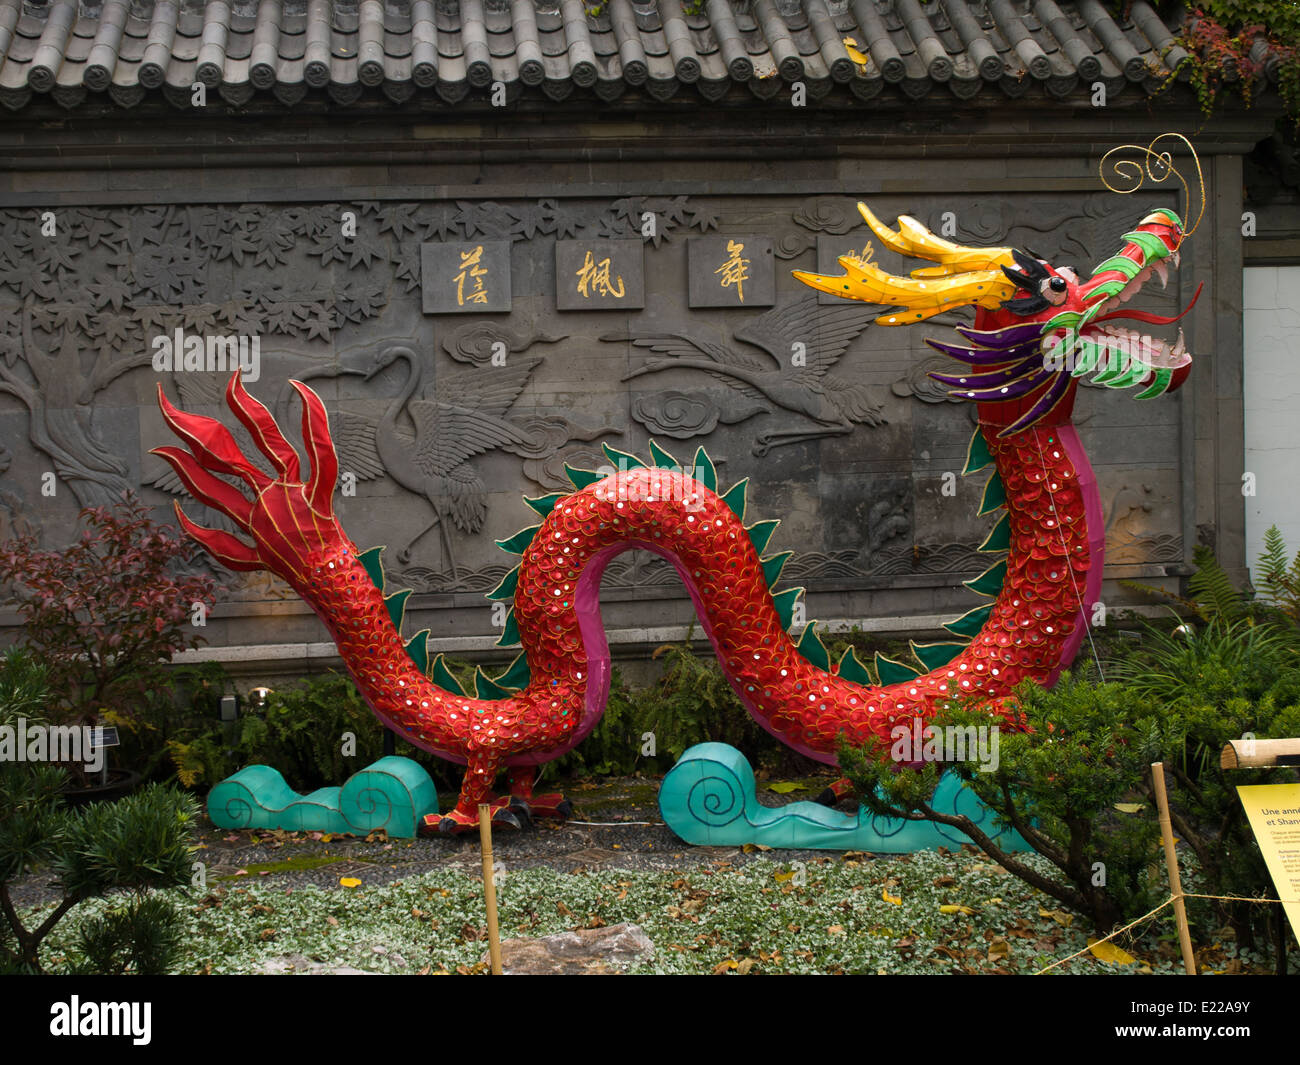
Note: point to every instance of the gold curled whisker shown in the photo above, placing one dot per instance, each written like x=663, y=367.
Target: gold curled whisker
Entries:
x=1131, y=171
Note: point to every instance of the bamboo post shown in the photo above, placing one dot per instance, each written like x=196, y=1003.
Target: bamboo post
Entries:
x=489, y=886
x=1171, y=864
x=1259, y=754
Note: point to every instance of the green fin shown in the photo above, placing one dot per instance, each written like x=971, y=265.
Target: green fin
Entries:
x=761, y=532
x=517, y=674
x=486, y=688
x=1158, y=384
x=396, y=604
x=735, y=498
x=892, y=672
x=581, y=478
x=811, y=647
x=518, y=543
x=370, y=559
x=1089, y=354
x=990, y=581
x=510, y=634
x=977, y=453
x=442, y=677
x=784, y=602
x=1130, y=268
x=417, y=649
x=630, y=461
x=851, y=669
x=995, y=495
x=934, y=655
x=704, y=469
x=544, y=504
x=506, y=589
x=1062, y=320
x=1109, y=288
x=999, y=537
x=773, y=566
x=970, y=622
x=1153, y=248
x=662, y=458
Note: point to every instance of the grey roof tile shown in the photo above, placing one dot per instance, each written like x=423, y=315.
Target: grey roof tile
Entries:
x=453, y=50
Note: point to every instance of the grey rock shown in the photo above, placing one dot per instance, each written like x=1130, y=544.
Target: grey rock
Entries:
x=584, y=952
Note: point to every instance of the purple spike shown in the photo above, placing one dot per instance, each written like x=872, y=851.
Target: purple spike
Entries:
x=1014, y=390
x=1060, y=384
x=984, y=358
x=1002, y=338
x=989, y=380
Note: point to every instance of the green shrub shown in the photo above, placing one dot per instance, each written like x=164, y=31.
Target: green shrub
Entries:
x=1084, y=750
x=1206, y=687
x=137, y=843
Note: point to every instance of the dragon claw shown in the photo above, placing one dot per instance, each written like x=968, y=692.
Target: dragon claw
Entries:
x=521, y=809
x=551, y=806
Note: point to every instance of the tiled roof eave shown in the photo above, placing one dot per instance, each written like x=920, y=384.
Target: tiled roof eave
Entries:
x=424, y=54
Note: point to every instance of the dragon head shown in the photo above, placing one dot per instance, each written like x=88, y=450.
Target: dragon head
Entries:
x=1038, y=328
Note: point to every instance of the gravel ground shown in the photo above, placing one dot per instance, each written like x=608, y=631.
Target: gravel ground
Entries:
x=603, y=834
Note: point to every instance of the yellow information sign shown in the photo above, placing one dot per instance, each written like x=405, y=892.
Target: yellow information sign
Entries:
x=1274, y=812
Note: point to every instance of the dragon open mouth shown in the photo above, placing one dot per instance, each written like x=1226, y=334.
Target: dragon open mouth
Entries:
x=1120, y=349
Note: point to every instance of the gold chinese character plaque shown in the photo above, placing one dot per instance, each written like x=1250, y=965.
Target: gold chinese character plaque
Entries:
x=731, y=271
x=465, y=278
x=599, y=275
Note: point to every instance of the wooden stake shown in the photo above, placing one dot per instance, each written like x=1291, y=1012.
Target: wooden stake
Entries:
x=1255, y=754
x=1171, y=864
x=489, y=886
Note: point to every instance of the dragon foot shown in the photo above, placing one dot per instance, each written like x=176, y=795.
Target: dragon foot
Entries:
x=835, y=793
x=551, y=806
x=456, y=821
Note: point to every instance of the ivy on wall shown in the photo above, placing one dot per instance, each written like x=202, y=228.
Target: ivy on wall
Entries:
x=1219, y=37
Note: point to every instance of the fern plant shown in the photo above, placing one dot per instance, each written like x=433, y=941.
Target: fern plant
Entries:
x=1211, y=595
x=1277, y=578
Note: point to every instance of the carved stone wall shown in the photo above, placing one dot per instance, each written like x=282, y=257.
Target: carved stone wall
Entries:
x=628, y=318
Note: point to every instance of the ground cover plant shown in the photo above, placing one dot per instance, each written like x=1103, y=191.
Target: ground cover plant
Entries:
x=931, y=912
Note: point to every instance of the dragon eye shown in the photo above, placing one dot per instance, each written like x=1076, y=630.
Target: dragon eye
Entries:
x=1053, y=289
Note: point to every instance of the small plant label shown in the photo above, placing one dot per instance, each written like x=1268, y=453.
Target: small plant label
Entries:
x=1274, y=813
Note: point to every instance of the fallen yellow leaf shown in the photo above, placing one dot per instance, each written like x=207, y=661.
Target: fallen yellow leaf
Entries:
x=897, y=900
x=1130, y=807
x=781, y=878
x=955, y=909
x=850, y=46
x=349, y=881
x=1059, y=916
x=1107, y=951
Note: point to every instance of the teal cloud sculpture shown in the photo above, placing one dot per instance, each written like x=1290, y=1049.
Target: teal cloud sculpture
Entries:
x=709, y=799
x=392, y=794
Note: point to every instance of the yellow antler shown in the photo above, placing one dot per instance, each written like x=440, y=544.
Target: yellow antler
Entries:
x=964, y=275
